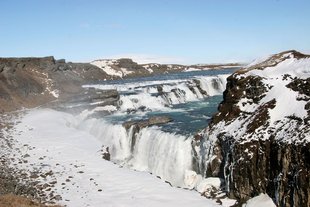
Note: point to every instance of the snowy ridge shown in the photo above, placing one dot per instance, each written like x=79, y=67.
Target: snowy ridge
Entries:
x=124, y=67
x=108, y=67
x=276, y=81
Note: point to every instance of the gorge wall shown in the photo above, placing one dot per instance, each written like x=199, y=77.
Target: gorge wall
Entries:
x=259, y=141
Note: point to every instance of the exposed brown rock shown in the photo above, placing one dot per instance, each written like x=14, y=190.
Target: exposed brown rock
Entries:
x=155, y=120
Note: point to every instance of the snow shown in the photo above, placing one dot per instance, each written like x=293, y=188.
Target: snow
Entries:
x=260, y=200
x=55, y=93
x=208, y=184
x=191, y=69
x=147, y=67
x=126, y=72
x=191, y=178
x=258, y=61
x=296, y=67
x=82, y=177
x=276, y=84
x=281, y=110
x=105, y=65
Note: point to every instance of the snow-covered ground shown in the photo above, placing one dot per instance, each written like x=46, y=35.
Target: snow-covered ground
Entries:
x=106, y=66
x=260, y=200
x=287, y=101
x=70, y=162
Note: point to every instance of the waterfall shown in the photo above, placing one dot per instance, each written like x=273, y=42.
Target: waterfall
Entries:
x=160, y=95
x=165, y=154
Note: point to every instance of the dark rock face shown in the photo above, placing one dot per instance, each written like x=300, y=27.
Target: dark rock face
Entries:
x=250, y=88
x=279, y=169
x=128, y=64
x=252, y=154
x=156, y=120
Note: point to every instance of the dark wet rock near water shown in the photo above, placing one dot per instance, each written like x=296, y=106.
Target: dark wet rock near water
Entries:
x=155, y=120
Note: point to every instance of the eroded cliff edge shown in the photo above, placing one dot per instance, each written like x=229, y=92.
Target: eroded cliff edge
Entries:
x=259, y=141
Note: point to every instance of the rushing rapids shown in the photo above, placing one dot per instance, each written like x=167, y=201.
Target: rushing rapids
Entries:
x=166, y=150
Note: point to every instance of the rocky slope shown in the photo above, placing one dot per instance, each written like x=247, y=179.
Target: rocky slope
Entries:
x=259, y=141
x=29, y=82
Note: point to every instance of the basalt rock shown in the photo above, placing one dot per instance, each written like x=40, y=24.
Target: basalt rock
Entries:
x=155, y=120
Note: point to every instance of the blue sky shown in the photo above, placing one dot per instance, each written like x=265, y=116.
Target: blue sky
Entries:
x=183, y=31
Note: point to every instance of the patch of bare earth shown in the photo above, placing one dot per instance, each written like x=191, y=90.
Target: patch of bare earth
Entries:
x=10, y=200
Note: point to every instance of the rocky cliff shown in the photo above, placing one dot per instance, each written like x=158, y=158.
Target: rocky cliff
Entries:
x=259, y=141
x=30, y=82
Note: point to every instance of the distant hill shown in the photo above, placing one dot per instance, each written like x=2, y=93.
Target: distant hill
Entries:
x=128, y=68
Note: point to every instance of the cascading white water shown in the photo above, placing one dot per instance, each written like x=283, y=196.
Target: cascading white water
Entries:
x=213, y=86
x=159, y=95
x=165, y=154
x=113, y=136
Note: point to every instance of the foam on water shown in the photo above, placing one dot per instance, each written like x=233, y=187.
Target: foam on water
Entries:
x=160, y=95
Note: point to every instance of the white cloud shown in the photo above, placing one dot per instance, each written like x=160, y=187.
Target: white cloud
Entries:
x=146, y=58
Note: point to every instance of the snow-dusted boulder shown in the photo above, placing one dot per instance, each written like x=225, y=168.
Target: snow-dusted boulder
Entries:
x=209, y=185
x=191, y=179
x=260, y=200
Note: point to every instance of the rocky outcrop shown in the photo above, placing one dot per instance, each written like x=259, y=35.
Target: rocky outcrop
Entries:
x=259, y=141
x=29, y=82
x=155, y=120
x=137, y=125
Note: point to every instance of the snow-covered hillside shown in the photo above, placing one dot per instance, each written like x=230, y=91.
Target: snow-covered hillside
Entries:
x=109, y=66
x=259, y=141
x=279, y=103
x=67, y=165
x=124, y=67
